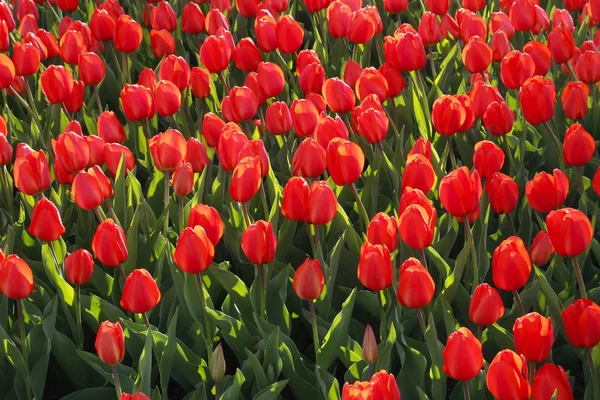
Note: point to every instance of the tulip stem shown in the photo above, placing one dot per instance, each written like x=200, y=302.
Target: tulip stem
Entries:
x=224, y=82
x=316, y=342
x=263, y=291
x=479, y=332
x=204, y=308
x=594, y=373
x=311, y=240
x=451, y=153
x=557, y=144
x=473, y=252
x=512, y=223
x=519, y=302
x=97, y=96
x=100, y=216
x=247, y=221
x=431, y=61
x=424, y=259
x=115, y=373
x=58, y=267
x=111, y=211
x=263, y=197
x=125, y=61
x=319, y=247
x=174, y=119
x=154, y=347
x=508, y=154
x=532, y=367
x=181, y=222
x=361, y=206
x=384, y=332
x=580, y=181
x=166, y=203
x=466, y=390
x=123, y=277
x=78, y=316
x=579, y=278
x=421, y=319
x=21, y=319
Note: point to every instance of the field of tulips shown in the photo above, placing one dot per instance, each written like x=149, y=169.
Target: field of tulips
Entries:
x=299, y=199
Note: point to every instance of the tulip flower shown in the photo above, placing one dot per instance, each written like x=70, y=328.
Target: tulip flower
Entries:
x=383, y=230
x=329, y=128
x=460, y=192
x=110, y=343
x=308, y=280
x=451, y=114
x=138, y=102
x=230, y=145
x=578, y=146
x=375, y=267
x=321, y=205
x=246, y=179
x=486, y=306
x=46, y=223
x=463, y=357
x=476, y=55
x=192, y=19
x=209, y=219
x=534, y=336
x=200, y=82
x=16, y=278
x=506, y=377
x=57, y=83
x=79, y=267
x=503, y=193
x=581, y=320
x=381, y=386
x=216, y=52
x=168, y=98
x=290, y=34
x=278, y=119
x=498, y=118
x=175, y=70
x=183, y=181
x=31, y=172
x=487, y=158
x=415, y=287
x=140, y=293
x=168, y=149
x=295, y=198
x=574, y=100
x=511, y=266
x=138, y=395
x=537, y=97
x=418, y=173
x=109, y=244
x=310, y=159
x=128, y=34
x=311, y=78
x=194, y=251
x=304, y=117
x=113, y=153
x=417, y=225
x=549, y=379
x=547, y=192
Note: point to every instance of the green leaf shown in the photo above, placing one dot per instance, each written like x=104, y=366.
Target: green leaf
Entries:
x=168, y=354
x=143, y=382
x=234, y=391
x=98, y=393
x=235, y=287
x=337, y=333
x=272, y=353
x=272, y=391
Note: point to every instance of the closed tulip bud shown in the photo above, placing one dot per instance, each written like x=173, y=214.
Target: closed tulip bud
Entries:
x=450, y=115
x=310, y=159
x=371, y=81
x=200, y=81
x=79, y=267
x=140, y=293
x=215, y=21
x=407, y=52
x=537, y=97
x=415, y=286
x=290, y=34
x=194, y=251
x=321, y=205
x=470, y=25
x=109, y=244
x=270, y=79
x=103, y=24
x=163, y=17
x=217, y=364
x=246, y=55
x=582, y=322
x=74, y=102
x=162, y=43
x=110, y=129
x=196, y=155
x=278, y=119
x=579, y=146
x=244, y=103
x=138, y=102
x=212, y=125
x=216, y=52
x=328, y=129
x=259, y=243
x=546, y=192
x=72, y=44
x=295, y=199
x=429, y=29
x=110, y=343
x=304, y=117
x=91, y=68
x=561, y=44
x=105, y=183
x=383, y=230
x=542, y=22
x=417, y=225
x=192, y=19
x=487, y=158
x=113, y=153
x=541, y=56
x=352, y=71
x=183, y=179
x=246, y=179
x=311, y=78
x=308, y=280
x=541, y=249
x=418, y=173
x=511, y=265
x=168, y=149
x=338, y=95
x=551, y=379
x=168, y=98
x=345, y=161
x=523, y=15
x=305, y=58
x=423, y=147
x=265, y=28
x=486, y=306
x=31, y=172
x=362, y=27
x=46, y=223
x=339, y=16
x=506, y=377
x=7, y=72
x=369, y=346
x=501, y=21
x=375, y=266
x=463, y=357
x=6, y=14
x=534, y=336
x=86, y=191
x=503, y=193
x=500, y=45
x=176, y=70
x=128, y=34
x=16, y=278
x=476, y=55
x=72, y=151
x=482, y=95
x=373, y=125
x=498, y=118
x=574, y=100
x=57, y=83
x=26, y=59
x=6, y=150
x=570, y=231
x=460, y=192
x=396, y=82
x=230, y=145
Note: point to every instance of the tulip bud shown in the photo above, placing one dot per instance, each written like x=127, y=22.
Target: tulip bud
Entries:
x=375, y=266
x=308, y=280
x=541, y=249
x=290, y=34
x=79, y=267
x=463, y=357
x=230, y=146
x=295, y=198
x=31, y=172
x=216, y=52
x=46, y=223
x=570, y=231
x=110, y=343
x=310, y=159
x=278, y=119
x=574, y=99
x=321, y=204
x=486, y=306
x=304, y=117
x=534, y=336
x=192, y=19
x=109, y=244
x=328, y=129
x=26, y=59
x=140, y=293
x=487, y=158
x=259, y=243
x=511, y=265
x=452, y=114
x=579, y=146
x=217, y=364
x=246, y=179
x=373, y=125
x=415, y=285
x=476, y=55
x=418, y=173
x=194, y=251
x=138, y=102
x=503, y=193
x=200, y=81
x=57, y=83
x=175, y=70
x=128, y=34
x=460, y=192
x=345, y=161
x=537, y=97
x=498, y=118
x=16, y=278
x=339, y=97
x=417, y=224
x=383, y=230
x=168, y=98
x=546, y=192
x=507, y=376
x=369, y=346
x=113, y=153
x=86, y=191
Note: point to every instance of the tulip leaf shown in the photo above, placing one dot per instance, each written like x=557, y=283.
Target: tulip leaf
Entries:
x=144, y=377
x=96, y=393
x=336, y=335
x=235, y=287
x=119, y=198
x=257, y=370
x=168, y=353
x=234, y=332
x=233, y=392
x=436, y=373
x=554, y=304
x=412, y=373
x=272, y=391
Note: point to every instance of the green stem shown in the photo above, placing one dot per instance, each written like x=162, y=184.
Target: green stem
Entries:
x=311, y=240
x=123, y=277
x=125, y=62
x=557, y=144
x=512, y=224
x=316, y=342
x=532, y=367
x=97, y=96
x=594, y=373
x=451, y=153
x=115, y=373
x=319, y=247
x=247, y=221
x=166, y=203
x=473, y=253
x=466, y=390
x=424, y=259
x=263, y=197
x=519, y=302
x=431, y=61
x=58, y=267
x=508, y=154
x=181, y=222
x=78, y=316
x=579, y=278
x=384, y=332
x=204, y=308
x=112, y=213
x=24, y=349
x=361, y=206
x=263, y=291
x=421, y=319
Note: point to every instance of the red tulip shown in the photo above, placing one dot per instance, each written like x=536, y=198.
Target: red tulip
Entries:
x=541, y=56
x=321, y=205
x=574, y=100
x=109, y=244
x=140, y=293
x=311, y=78
x=503, y=193
x=259, y=243
x=26, y=59
x=246, y=179
x=546, y=192
x=339, y=16
x=511, y=265
x=579, y=146
x=308, y=280
x=46, y=223
x=192, y=19
x=128, y=34
x=163, y=17
x=561, y=44
x=487, y=158
x=110, y=343
x=16, y=278
x=382, y=386
x=230, y=144
x=216, y=52
x=460, y=192
x=168, y=149
x=362, y=26
x=534, y=336
x=550, y=379
x=176, y=70
x=463, y=357
x=345, y=161
x=507, y=377
x=537, y=97
x=383, y=230
x=415, y=286
x=113, y=153
x=476, y=55
x=290, y=34
x=79, y=267
x=581, y=320
x=375, y=266
x=310, y=159
x=246, y=55
x=162, y=43
x=570, y=231
x=523, y=15
x=138, y=102
x=498, y=118
x=451, y=114
x=31, y=172
x=194, y=251
x=265, y=28
x=328, y=129
x=486, y=306
x=110, y=129
x=57, y=83
x=339, y=97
